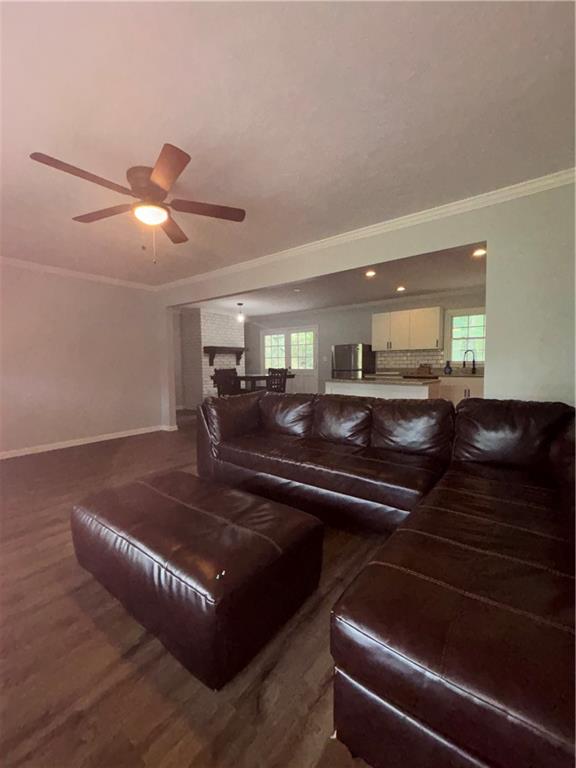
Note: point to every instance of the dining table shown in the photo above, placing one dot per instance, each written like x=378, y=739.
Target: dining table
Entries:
x=252, y=380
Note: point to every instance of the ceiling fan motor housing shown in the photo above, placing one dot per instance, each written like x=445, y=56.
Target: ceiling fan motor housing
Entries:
x=139, y=179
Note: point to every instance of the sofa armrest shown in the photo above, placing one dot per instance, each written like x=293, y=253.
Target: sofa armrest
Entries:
x=562, y=455
x=205, y=450
x=228, y=417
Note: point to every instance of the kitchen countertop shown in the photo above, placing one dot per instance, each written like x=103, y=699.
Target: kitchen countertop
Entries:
x=395, y=381
x=457, y=372
x=463, y=373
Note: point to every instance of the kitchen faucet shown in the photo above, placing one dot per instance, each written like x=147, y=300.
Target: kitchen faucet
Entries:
x=473, y=360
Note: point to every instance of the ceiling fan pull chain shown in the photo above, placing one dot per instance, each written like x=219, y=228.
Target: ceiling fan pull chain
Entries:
x=154, y=260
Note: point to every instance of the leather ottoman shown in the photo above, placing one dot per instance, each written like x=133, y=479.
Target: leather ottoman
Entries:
x=213, y=572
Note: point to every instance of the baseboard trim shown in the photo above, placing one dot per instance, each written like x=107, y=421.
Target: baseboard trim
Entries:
x=44, y=447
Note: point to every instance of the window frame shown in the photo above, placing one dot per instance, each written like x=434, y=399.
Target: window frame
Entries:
x=451, y=313
x=302, y=350
x=287, y=332
x=277, y=364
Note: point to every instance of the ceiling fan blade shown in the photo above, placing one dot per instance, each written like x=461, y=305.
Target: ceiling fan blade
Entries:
x=207, y=209
x=173, y=231
x=104, y=213
x=170, y=164
x=67, y=168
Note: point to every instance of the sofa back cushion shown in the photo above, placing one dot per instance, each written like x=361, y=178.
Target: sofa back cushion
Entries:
x=413, y=426
x=342, y=419
x=512, y=432
x=287, y=414
x=228, y=417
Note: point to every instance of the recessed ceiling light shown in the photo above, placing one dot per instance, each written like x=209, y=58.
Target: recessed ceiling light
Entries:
x=480, y=252
x=370, y=273
x=297, y=290
x=151, y=214
x=400, y=288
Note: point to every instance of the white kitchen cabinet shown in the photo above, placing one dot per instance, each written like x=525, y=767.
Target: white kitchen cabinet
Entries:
x=426, y=328
x=400, y=330
x=381, y=331
x=408, y=329
x=456, y=388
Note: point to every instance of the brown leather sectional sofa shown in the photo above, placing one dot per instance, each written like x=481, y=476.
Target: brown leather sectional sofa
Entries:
x=345, y=459
x=453, y=648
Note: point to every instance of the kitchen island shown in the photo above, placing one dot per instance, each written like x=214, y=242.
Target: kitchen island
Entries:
x=388, y=388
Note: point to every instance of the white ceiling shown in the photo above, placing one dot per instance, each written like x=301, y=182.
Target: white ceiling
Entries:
x=454, y=269
x=318, y=118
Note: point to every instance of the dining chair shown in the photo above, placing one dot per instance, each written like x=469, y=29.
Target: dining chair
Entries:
x=226, y=381
x=276, y=381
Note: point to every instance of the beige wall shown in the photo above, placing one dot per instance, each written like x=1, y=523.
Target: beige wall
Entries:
x=82, y=358
x=178, y=379
x=529, y=281
x=79, y=359
x=191, y=357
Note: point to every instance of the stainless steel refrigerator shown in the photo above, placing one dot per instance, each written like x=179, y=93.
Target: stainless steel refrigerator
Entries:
x=352, y=361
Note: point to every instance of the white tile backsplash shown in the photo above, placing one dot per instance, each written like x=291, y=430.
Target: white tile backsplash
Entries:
x=409, y=358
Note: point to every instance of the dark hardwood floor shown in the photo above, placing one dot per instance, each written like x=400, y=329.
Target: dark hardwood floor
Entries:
x=186, y=419
x=84, y=686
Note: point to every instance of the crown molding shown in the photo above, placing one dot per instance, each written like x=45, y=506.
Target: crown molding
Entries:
x=486, y=199
x=495, y=197
x=34, y=266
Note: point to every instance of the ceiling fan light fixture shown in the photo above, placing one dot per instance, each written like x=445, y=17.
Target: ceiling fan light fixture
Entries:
x=150, y=214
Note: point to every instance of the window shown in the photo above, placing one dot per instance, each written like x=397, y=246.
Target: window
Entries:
x=274, y=350
x=302, y=350
x=468, y=332
x=293, y=349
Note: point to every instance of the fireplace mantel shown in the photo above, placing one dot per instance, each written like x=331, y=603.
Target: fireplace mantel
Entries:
x=214, y=350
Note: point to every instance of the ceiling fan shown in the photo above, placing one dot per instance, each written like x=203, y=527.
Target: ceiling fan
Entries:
x=150, y=186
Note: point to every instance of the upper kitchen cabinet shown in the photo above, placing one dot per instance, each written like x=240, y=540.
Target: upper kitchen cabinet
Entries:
x=400, y=323
x=408, y=329
x=381, y=331
x=426, y=328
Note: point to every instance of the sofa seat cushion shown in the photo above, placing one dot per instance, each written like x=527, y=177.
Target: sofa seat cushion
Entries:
x=314, y=444
x=275, y=445
x=496, y=476
x=430, y=465
x=501, y=495
x=259, y=444
x=464, y=621
x=338, y=468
